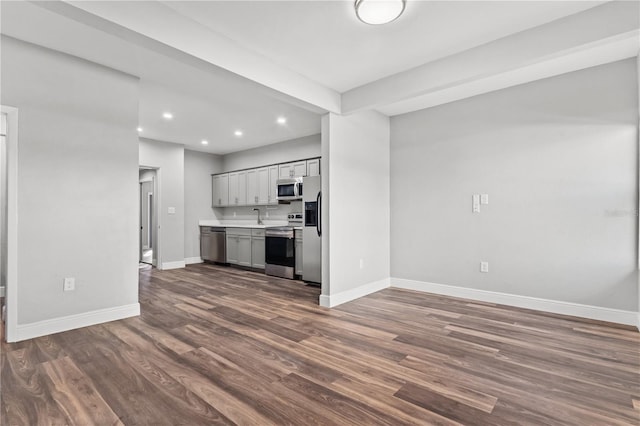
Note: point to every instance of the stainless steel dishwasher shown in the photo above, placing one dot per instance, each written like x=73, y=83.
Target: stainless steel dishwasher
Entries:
x=213, y=244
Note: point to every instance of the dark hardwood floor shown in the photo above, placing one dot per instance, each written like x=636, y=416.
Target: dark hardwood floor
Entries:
x=216, y=345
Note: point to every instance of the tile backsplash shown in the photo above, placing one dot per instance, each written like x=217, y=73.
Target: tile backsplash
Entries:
x=273, y=212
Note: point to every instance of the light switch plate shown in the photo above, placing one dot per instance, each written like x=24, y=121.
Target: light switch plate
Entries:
x=476, y=203
x=484, y=266
x=171, y=210
x=484, y=199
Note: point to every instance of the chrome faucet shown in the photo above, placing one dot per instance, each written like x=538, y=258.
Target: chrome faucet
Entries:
x=259, y=220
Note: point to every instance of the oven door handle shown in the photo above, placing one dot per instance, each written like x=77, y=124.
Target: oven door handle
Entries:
x=280, y=234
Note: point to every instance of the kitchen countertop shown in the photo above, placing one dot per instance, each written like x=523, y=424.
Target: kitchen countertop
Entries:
x=242, y=223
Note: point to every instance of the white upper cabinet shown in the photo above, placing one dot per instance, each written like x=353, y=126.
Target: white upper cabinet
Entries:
x=272, y=197
x=258, y=186
x=295, y=169
x=313, y=167
x=220, y=186
x=238, y=188
x=252, y=186
x=263, y=185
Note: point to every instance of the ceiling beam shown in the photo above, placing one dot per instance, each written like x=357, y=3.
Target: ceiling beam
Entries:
x=155, y=21
x=599, y=35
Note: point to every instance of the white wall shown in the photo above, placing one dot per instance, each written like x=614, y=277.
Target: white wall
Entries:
x=3, y=204
x=281, y=152
x=168, y=158
x=558, y=158
x=198, y=168
x=357, y=183
x=77, y=188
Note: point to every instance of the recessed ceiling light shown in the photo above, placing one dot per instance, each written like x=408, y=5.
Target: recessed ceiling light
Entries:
x=238, y=133
x=139, y=129
x=204, y=142
x=167, y=115
x=377, y=12
x=281, y=120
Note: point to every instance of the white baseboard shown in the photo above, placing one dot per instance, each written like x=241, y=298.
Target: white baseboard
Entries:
x=173, y=265
x=546, y=305
x=2, y=291
x=355, y=293
x=71, y=322
x=192, y=260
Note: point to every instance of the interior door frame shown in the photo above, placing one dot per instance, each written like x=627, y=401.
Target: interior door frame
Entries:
x=11, y=290
x=156, y=219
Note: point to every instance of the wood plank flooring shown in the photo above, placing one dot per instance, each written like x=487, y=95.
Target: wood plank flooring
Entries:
x=217, y=345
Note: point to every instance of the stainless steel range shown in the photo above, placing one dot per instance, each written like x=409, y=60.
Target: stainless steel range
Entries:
x=280, y=253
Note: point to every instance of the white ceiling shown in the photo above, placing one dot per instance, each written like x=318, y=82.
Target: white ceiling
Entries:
x=219, y=66
x=324, y=41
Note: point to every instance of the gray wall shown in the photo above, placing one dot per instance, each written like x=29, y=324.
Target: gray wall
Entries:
x=77, y=182
x=282, y=152
x=558, y=158
x=356, y=178
x=168, y=158
x=3, y=203
x=198, y=168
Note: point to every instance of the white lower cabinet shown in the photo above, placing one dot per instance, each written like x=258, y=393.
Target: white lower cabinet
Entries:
x=232, y=249
x=257, y=248
x=244, y=250
x=298, y=249
x=245, y=247
x=239, y=246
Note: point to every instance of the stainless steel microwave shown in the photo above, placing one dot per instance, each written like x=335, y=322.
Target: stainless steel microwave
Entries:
x=289, y=189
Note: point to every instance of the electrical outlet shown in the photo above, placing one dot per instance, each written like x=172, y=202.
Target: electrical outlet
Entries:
x=484, y=266
x=484, y=198
x=69, y=284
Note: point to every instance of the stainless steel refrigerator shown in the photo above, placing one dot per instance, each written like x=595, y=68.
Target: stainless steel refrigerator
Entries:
x=312, y=230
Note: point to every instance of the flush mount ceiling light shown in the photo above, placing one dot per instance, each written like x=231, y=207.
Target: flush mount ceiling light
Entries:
x=377, y=12
x=238, y=133
x=139, y=129
x=281, y=120
x=204, y=142
x=167, y=115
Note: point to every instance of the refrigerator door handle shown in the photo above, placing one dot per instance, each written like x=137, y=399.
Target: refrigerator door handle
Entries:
x=319, y=214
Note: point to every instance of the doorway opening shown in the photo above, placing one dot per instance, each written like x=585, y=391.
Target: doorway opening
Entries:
x=9, y=221
x=148, y=253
